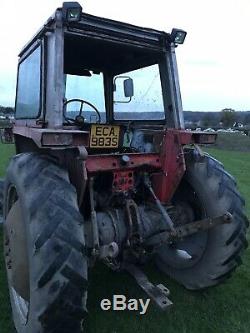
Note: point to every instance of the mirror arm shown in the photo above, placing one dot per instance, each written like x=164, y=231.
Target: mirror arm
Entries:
x=130, y=98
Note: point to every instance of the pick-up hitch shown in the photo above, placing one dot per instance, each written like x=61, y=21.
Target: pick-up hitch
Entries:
x=158, y=293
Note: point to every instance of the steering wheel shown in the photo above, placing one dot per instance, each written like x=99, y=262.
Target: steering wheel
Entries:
x=82, y=101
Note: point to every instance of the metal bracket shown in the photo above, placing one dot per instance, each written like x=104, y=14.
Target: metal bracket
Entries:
x=158, y=293
x=134, y=223
x=95, y=231
x=188, y=229
x=162, y=210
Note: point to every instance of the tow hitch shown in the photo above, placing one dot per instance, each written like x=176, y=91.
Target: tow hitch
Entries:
x=158, y=293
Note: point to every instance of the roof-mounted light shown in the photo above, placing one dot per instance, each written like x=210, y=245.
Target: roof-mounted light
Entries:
x=178, y=36
x=71, y=11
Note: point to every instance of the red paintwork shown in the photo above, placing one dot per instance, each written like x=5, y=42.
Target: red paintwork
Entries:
x=168, y=166
x=50, y=138
x=45, y=138
x=167, y=180
x=100, y=163
x=123, y=181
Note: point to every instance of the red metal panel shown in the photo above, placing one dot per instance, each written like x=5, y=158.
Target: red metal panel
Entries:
x=123, y=181
x=184, y=137
x=99, y=163
x=187, y=137
x=53, y=137
x=166, y=182
x=205, y=138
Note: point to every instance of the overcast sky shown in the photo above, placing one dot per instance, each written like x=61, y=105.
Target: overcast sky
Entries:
x=214, y=62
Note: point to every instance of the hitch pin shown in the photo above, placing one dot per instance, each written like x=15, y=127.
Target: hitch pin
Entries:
x=159, y=205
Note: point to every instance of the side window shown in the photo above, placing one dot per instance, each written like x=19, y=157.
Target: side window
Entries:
x=29, y=86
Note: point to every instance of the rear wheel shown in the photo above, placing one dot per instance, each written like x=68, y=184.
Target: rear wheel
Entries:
x=44, y=247
x=207, y=190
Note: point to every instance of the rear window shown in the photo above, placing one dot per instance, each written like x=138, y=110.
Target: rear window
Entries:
x=29, y=86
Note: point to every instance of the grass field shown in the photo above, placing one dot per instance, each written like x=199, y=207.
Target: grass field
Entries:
x=223, y=309
x=233, y=141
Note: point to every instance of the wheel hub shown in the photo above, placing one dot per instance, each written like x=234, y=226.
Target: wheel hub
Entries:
x=16, y=255
x=186, y=252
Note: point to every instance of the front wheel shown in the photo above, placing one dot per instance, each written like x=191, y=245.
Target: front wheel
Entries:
x=44, y=247
x=206, y=190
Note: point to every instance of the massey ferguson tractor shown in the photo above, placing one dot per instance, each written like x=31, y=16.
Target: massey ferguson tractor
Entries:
x=105, y=171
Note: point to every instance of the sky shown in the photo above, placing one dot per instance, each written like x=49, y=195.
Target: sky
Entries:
x=214, y=61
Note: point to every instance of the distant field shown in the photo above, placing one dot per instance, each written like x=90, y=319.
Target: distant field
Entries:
x=233, y=141
x=223, y=309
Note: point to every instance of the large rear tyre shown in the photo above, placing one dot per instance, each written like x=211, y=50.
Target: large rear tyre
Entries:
x=44, y=247
x=206, y=190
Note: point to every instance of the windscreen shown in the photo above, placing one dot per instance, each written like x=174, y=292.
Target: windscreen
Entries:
x=90, y=90
x=146, y=102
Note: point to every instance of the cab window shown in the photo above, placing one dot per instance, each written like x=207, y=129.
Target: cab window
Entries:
x=90, y=89
x=29, y=86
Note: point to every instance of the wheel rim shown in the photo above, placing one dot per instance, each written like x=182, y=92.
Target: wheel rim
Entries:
x=16, y=257
x=186, y=208
x=21, y=305
x=193, y=245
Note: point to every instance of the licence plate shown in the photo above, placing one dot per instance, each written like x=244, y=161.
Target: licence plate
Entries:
x=104, y=136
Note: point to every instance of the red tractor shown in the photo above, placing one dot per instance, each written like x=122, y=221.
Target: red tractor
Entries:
x=104, y=170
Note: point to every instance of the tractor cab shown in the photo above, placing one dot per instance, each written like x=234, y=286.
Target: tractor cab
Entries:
x=80, y=71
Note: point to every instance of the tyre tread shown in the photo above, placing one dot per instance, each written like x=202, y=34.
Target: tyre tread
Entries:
x=52, y=208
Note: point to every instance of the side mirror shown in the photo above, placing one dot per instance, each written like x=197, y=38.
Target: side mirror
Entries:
x=128, y=87
x=123, y=86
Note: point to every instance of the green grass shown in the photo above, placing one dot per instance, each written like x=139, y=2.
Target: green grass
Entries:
x=222, y=309
x=233, y=141
x=6, y=151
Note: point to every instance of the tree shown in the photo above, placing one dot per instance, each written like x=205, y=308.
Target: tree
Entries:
x=6, y=110
x=210, y=120
x=228, y=117
x=206, y=120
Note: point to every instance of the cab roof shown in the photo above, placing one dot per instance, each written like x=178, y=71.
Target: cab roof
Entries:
x=99, y=28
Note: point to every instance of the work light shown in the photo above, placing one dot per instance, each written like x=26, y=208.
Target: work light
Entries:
x=178, y=36
x=71, y=11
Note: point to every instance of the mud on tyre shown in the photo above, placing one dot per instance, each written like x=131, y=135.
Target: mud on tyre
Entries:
x=207, y=190
x=53, y=277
